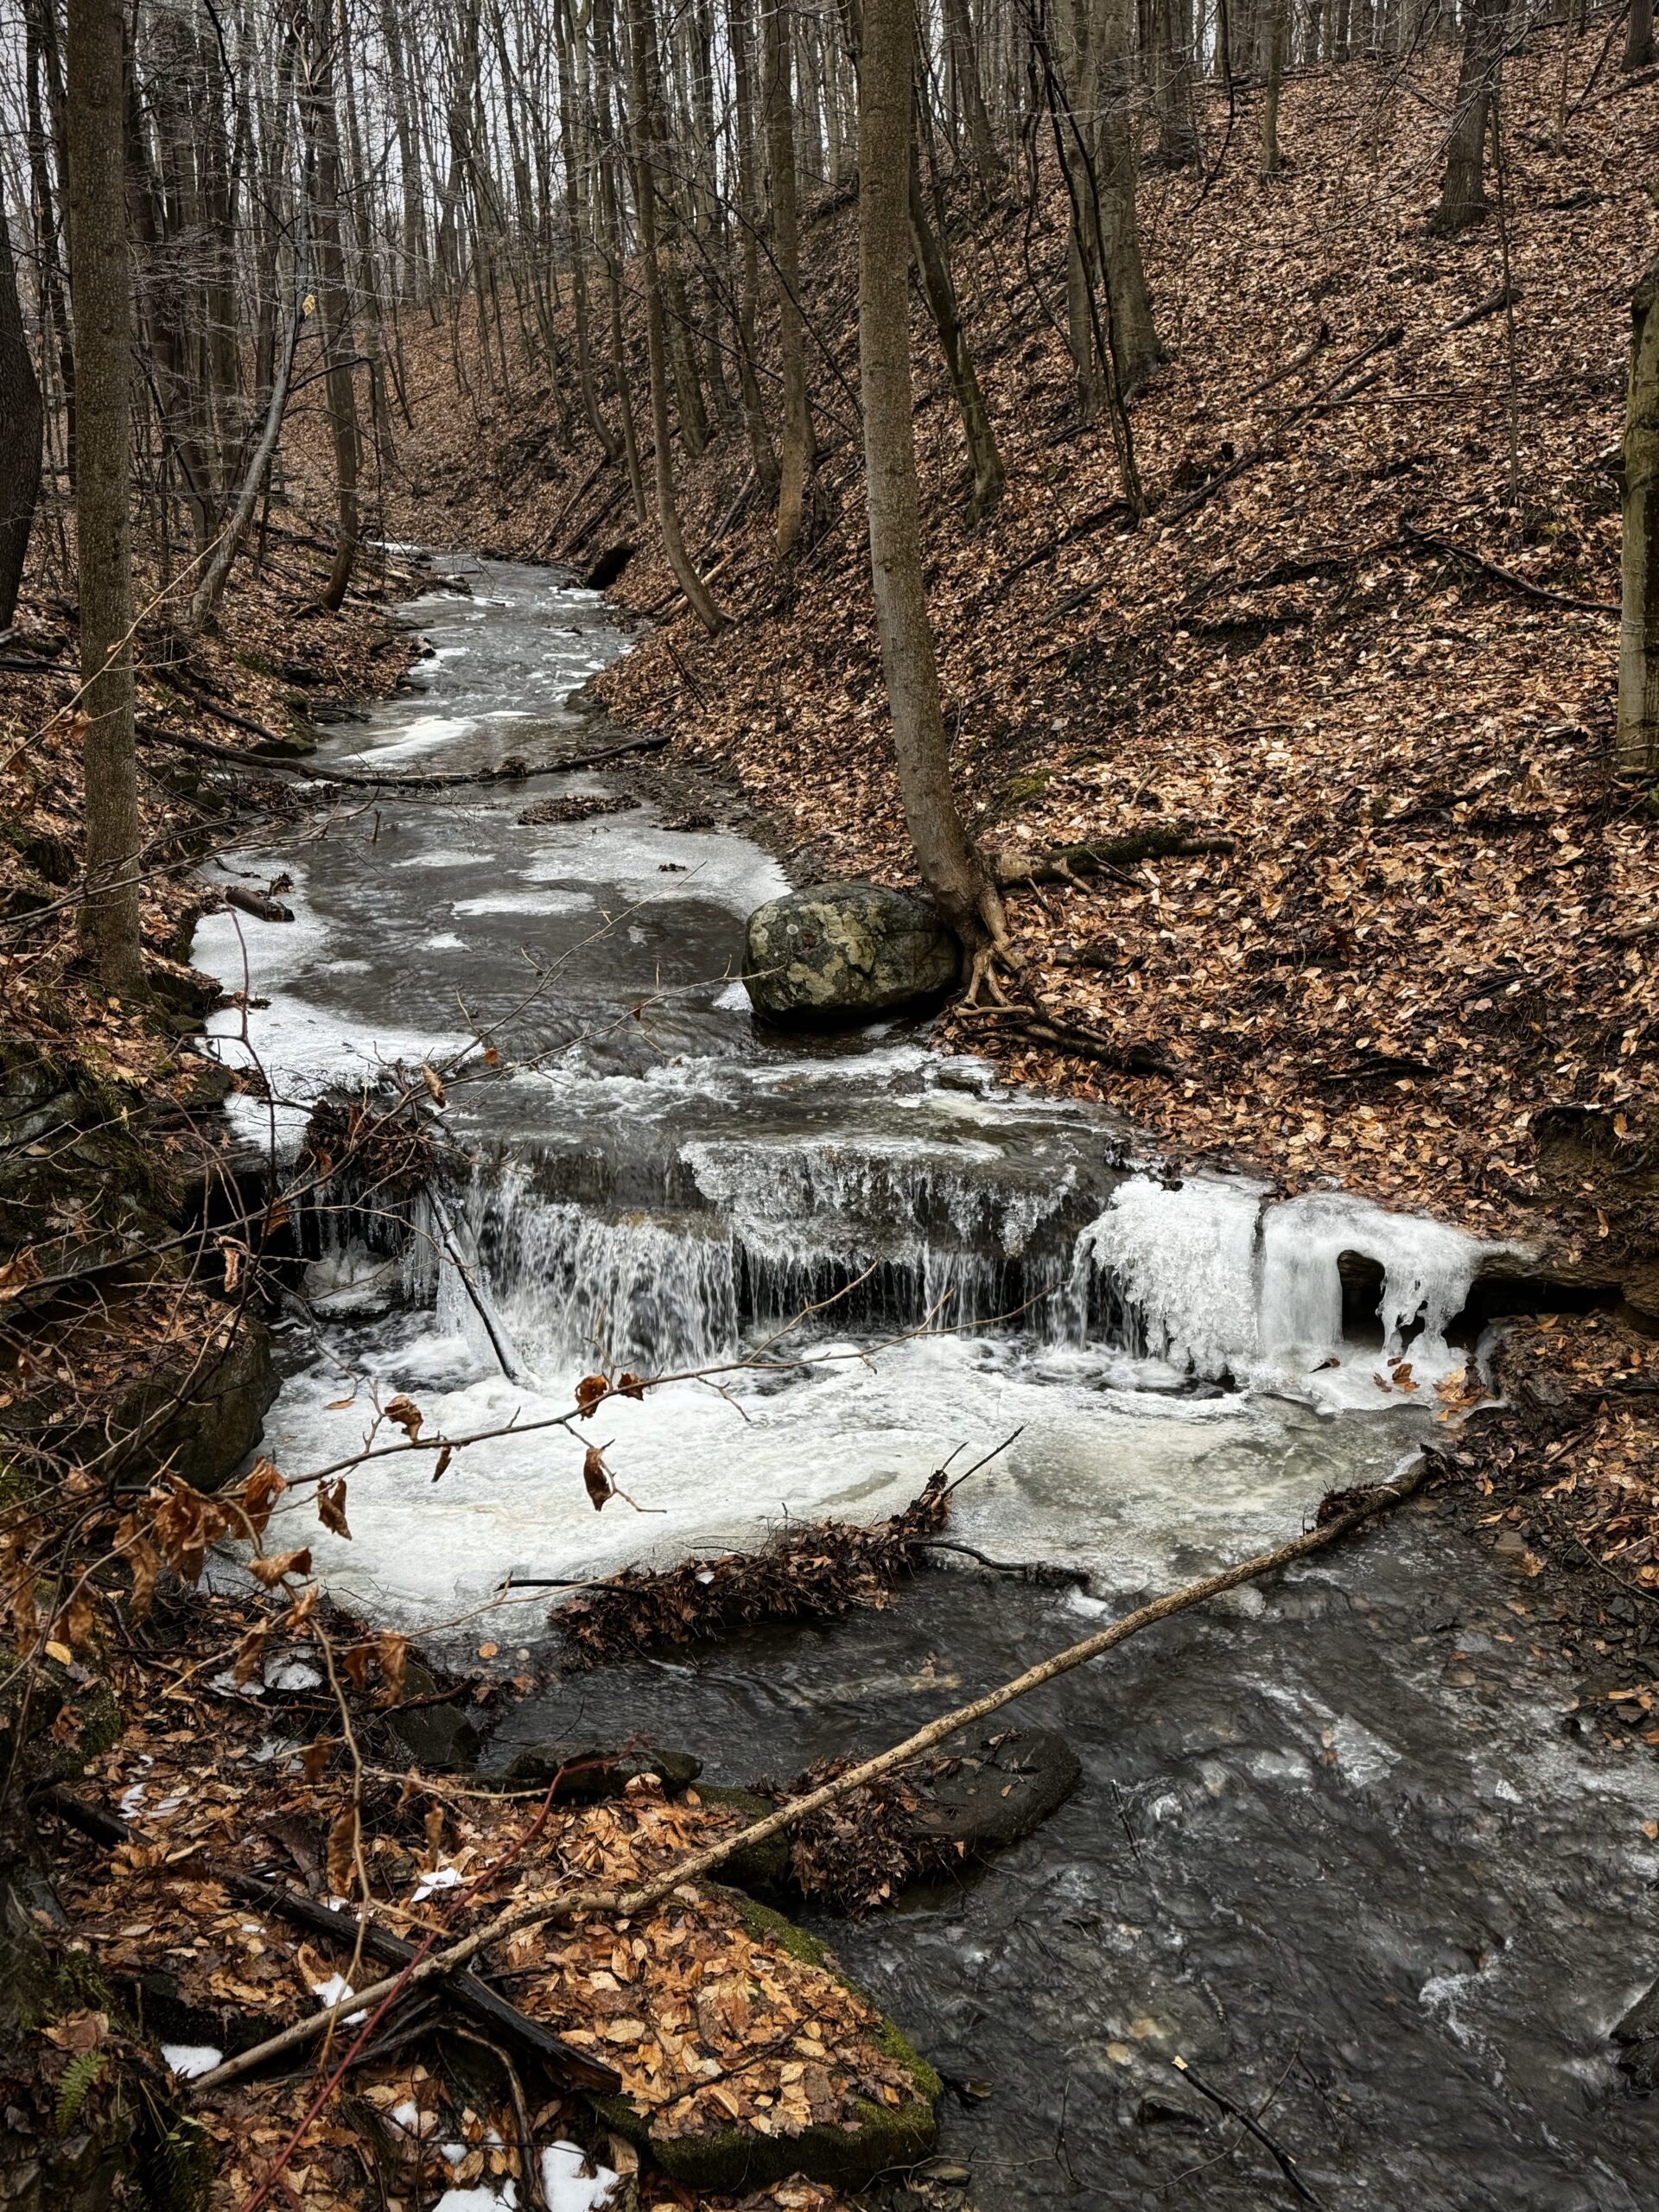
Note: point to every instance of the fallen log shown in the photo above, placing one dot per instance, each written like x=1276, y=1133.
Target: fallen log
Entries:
x=512, y=772
x=1062, y=863
x=470, y=1995
x=1063, y=1036
x=259, y=903
x=1328, y=1527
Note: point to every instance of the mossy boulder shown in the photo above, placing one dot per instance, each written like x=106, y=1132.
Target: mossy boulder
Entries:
x=839, y=953
x=844, y=2157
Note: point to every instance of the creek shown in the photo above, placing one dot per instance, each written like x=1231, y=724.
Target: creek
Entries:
x=1336, y=1841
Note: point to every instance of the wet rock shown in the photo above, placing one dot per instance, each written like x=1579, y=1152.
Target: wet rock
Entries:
x=847, y=2155
x=603, y=571
x=206, y=1436
x=587, y=1771
x=847, y=952
x=1637, y=2037
x=1162, y=2108
x=439, y=1739
x=1001, y=1791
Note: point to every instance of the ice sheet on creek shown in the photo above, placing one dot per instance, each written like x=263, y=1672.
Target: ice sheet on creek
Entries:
x=1138, y=1484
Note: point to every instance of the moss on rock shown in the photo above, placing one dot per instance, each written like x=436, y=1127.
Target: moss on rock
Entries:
x=846, y=2156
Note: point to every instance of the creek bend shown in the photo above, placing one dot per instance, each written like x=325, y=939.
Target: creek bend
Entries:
x=1332, y=1834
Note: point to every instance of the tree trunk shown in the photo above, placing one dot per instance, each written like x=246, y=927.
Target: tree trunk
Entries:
x=99, y=280
x=964, y=63
x=1463, y=194
x=20, y=433
x=1278, y=41
x=940, y=292
x=1136, y=346
x=738, y=31
x=642, y=35
x=1177, y=122
x=795, y=442
x=953, y=869
x=1638, y=37
x=322, y=133
x=1636, y=744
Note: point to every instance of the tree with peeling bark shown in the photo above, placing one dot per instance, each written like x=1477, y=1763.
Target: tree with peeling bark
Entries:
x=1637, y=746
x=100, y=282
x=951, y=864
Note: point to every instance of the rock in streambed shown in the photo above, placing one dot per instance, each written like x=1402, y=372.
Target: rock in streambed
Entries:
x=838, y=953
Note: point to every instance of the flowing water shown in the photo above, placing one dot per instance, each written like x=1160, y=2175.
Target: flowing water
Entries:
x=1332, y=1842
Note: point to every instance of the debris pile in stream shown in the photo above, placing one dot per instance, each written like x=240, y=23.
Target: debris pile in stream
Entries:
x=810, y=1573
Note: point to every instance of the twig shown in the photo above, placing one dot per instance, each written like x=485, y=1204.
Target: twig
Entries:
x=628, y=1902
x=1412, y=535
x=1285, y=2161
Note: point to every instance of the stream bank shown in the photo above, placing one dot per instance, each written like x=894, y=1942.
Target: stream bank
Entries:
x=1338, y=1836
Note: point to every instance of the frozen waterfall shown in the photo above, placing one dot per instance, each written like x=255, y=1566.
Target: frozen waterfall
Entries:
x=1209, y=1274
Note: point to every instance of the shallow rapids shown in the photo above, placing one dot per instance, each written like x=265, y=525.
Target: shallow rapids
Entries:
x=1332, y=1837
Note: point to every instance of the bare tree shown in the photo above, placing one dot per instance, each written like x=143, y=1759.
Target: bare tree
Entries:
x=946, y=853
x=1636, y=744
x=796, y=443
x=642, y=45
x=100, y=282
x=20, y=433
x=1463, y=192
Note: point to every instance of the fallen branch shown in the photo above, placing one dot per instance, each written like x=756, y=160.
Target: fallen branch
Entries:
x=1283, y=2159
x=1087, y=1043
x=1315, y=345
x=151, y=734
x=1046, y=1573
x=1494, y=303
x=1062, y=863
x=568, y=1904
x=1410, y=534
x=259, y=903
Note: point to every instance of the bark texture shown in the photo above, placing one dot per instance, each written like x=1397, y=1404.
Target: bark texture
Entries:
x=100, y=282
x=951, y=867
x=1636, y=745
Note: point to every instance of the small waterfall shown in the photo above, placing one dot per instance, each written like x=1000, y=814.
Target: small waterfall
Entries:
x=1208, y=1275
x=882, y=1240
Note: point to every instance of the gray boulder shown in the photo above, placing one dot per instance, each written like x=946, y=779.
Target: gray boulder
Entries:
x=847, y=952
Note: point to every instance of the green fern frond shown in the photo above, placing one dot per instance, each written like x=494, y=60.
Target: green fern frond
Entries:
x=84, y=2069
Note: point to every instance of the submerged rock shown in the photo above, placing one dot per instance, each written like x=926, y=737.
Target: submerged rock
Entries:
x=995, y=1795
x=846, y=2154
x=586, y=1771
x=1638, y=2037
x=847, y=952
